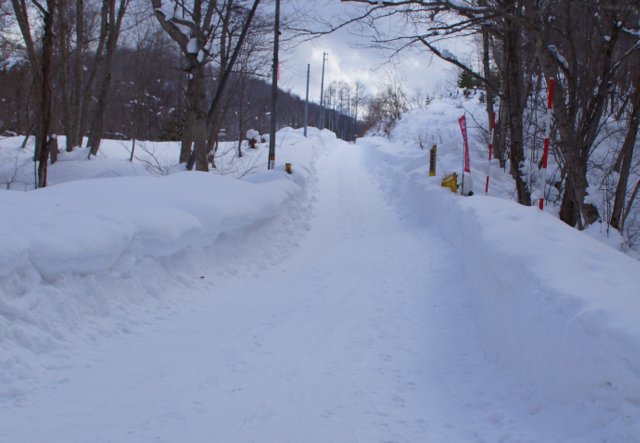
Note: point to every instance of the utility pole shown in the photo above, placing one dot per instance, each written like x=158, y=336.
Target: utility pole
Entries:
x=355, y=120
x=324, y=59
x=306, y=101
x=338, y=130
x=274, y=90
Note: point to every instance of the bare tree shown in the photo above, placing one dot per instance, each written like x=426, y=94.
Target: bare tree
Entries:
x=40, y=61
x=580, y=49
x=111, y=19
x=71, y=53
x=250, y=63
x=388, y=105
x=196, y=27
x=625, y=158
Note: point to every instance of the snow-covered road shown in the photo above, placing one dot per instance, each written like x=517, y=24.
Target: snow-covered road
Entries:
x=362, y=334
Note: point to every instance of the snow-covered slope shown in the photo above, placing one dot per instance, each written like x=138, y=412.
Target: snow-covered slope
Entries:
x=552, y=304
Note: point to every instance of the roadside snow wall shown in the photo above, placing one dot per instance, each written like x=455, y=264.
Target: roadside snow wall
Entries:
x=556, y=307
x=93, y=258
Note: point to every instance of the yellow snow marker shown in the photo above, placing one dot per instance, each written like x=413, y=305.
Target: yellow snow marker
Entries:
x=432, y=161
x=451, y=182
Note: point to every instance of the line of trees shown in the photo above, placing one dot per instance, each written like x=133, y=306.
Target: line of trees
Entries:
x=344, y=105
x=89, y=69
x=592, y=50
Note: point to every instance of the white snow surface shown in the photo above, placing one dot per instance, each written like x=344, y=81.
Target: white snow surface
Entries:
x=192, y=46
x=353, y=301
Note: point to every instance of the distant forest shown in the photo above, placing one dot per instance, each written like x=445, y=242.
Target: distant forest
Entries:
x=146, y=101
x=197, y=72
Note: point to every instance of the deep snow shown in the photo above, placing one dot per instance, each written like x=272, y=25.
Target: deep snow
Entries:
x=353, y=301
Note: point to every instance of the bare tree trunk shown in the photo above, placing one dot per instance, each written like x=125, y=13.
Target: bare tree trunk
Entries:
x=573, y=210
x=70, y=64
x=97, y=123
x=213, y=131
x=241, y=114
x=626, y=153
x=198, y=107
x=77, y=134
x=115, y=24
x=627, y=210
x=513, y=94
x=187, y=137
x=87, y=93
x=53, y=148
x=42, y=142
x=491, y=96
x=63, y=45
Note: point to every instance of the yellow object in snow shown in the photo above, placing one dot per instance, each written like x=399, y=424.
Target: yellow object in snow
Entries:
x=288, y=168
x=432, y=161
x=451, y=182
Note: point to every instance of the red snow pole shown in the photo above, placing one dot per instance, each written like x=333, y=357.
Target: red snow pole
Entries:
x=466, y=168
x=545, y=152
x=463, y=128
x=491, y=130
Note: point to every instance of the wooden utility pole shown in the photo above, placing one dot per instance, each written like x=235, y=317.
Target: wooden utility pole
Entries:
x=306, y=101
x=355, y=119
x=324, y=59
x=274, y=90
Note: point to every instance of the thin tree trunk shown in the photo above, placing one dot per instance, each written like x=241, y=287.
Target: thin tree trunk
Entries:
x=491, y=97
x=513, y=93
x=187, y=137
x=97, y=124
x=627, y=210
x=626, y=153
x=87, y=94
x=197, y=101
x=77, y=93
x=53, y=149
x=241, y=114
x=42, y=142
x=115, y=22
x=63, y=45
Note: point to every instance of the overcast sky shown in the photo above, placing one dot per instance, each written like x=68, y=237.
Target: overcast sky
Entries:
x=351, y=57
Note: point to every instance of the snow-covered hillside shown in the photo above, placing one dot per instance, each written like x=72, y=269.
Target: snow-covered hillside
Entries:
x=355, y=300
x=555, y=306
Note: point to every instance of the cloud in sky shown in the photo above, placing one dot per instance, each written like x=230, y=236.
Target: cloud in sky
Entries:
x=352, y=57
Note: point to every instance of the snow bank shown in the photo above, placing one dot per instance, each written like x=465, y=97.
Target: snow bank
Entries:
x=77, y=258
x=88, y=226
x=552, y=304
x=437, y=124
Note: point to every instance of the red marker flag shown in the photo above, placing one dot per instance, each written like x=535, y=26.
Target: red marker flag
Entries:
x=463, y=127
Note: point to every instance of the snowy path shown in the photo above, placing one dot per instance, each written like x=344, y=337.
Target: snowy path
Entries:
x=361, y=335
